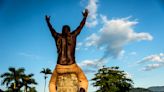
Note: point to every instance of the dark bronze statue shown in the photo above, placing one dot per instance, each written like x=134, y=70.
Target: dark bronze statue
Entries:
x=67, y=76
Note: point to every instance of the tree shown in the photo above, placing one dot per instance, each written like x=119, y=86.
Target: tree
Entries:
x=12, y=78
x=28, y=80
x=15, y=79
x=111, y=79
x=32, y=89
x=45, y=71
x=1, y=90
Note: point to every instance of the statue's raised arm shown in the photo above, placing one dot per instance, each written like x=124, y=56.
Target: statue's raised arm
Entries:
x=52, y=30
x=82, y=23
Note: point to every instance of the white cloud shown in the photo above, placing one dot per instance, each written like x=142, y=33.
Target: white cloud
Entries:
x=91, y=23
x=156, y=59
x=92, y=40
x=89, y=66
x=152, y=66
x=92, y=17
x=89, y=63
x=115, y=34
x=79, y=44
x=128, y=75
x=153, y=58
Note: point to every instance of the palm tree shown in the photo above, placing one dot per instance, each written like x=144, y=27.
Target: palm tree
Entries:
x=32, y=89
x=12, y=78
x=45, y=71
x=28, y=80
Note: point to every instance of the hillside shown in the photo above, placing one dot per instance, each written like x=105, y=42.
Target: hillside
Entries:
x=150, y=89
x=156, y=88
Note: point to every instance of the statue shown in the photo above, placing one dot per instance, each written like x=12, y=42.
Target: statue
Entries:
x=67, y=75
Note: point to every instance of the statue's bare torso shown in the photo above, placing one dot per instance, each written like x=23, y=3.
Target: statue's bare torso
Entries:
x=66, y=42
x=66, y=49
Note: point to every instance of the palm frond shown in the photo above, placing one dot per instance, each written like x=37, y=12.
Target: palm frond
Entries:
x=12, y=69
x=6, y=81
x=20, y=70
x=48, y=71
x=7, y=74
x=43, y=71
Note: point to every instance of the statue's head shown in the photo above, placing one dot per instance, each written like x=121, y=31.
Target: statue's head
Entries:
x=66, y=30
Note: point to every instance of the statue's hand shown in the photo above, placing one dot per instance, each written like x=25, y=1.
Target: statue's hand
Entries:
x=85, y=14
x=47, y=18
x=82, y=90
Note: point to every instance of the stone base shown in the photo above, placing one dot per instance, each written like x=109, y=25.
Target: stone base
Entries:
x=68, y=78
x=67, y=82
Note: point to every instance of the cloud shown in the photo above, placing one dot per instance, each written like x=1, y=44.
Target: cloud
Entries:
x=152, y=66
x=156, y=59
x=89, y=66
x=79, y=44
x=159, y=58
x=89, y=63
x=92, y=63
x=115, y=34
x=92, y=40
x=128, y=75
x=92, y=17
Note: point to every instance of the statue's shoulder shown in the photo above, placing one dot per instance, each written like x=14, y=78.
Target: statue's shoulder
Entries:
x=73, y=35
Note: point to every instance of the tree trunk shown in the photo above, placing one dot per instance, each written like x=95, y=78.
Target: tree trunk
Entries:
x=25, y=88
x=45, y=84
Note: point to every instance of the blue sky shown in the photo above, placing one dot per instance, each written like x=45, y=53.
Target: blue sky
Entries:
x=124, y=33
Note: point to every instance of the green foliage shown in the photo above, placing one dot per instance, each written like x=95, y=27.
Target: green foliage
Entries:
x=32, y=89
x=28, y=80
x=111, y=79
x=12, y=79
x=15, y=79
x=45, y=71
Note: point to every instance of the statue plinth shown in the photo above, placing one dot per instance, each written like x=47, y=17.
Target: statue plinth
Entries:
x=68, y=78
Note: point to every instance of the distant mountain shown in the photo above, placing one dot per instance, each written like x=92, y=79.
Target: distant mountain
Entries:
x=139, y=90
x=156, y=88
x=150, y=89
